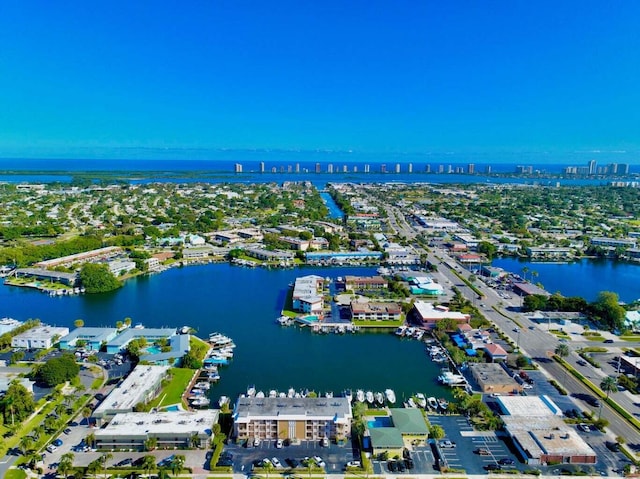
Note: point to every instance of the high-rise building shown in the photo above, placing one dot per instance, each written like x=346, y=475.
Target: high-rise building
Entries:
x=318, y=168
x=624, y=168
x=355, y=168
x=613, y=169
x=345, y=169
x=297, y=167
x=487, y=169
x=471, y=168
x=410, y=167
x=262, y=167
x=238, y=168
x=428, y=169
x=441, y=169
x=592, y=167
x=274, y=169
x=366, y=168
x=383, y=168
x=450, y=169
x=330, y=168
x=397, y=168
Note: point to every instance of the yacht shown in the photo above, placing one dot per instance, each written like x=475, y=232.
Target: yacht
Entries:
x=450, y=379
x=282, y=395
x=273, y=393
x=433, y=403
x=421, y=400
x=391, y=396
x=443, y=404
x=260, y=395
x=348, y=394
x=360, y=395
x=379, y=397
x=202, y=385
x=200, y=402
x=223, y=400
x=401, y=330
x=329, y=394
x=291, y=393
x=251, y=391
x=369, y=397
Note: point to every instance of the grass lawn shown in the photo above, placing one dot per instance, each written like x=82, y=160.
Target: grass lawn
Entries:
x=15, y=474
x=172, y=393
x=596, y=339
x=630, y=337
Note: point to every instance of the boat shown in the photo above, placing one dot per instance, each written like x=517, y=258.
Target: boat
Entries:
x=432, y=402
x=443, y=404
x=213, y=376
x=360, y=395
x=251, y=391
x=400, y=330
x=291, y=393
x=260, y=395
x=379, y=397
x=329, y=394
x=421, y=400
x=391, y=396
x=369, y=397
x=282, y=395
x=273, y=393
x=284, y=320
x=185, y=330
x=348, y=394
x=451, y=379
x=200, y=402
x=411, y=403
x=202, y=385
x=223, y=400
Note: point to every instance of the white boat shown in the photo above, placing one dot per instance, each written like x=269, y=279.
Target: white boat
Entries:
x=369, y=397
x=202, y=385
x=421, y=400
x=282, y=395
x=213, y=376
x=273, y=393
x=223, y=400
x=451, y=379
x=443, y=404
x=291, y=393
x=260, y=395
x=401, y=330
x=329, y=394
x=433, y=403
x=379, y=397
x=411, y=403
x=284, y=321
x=391, y=395
x=348, y=394
x=360, y=395
x=201, y=401
x=251, y=391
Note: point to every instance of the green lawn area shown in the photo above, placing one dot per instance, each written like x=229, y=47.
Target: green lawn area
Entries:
x=630, y=337
x=15, y=474
x=172, y=393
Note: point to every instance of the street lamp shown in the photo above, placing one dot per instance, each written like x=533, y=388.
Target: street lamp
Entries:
x=517, y=330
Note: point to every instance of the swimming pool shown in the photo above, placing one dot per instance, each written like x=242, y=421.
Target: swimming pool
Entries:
x=153, y=350
x=172, y=408
x=380, y=421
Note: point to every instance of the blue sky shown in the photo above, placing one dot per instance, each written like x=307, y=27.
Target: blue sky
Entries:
x=367, y=76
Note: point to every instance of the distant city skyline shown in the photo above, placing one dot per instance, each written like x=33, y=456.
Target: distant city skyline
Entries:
x=413, y=78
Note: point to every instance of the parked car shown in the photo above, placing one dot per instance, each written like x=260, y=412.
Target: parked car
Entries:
x=57, y=442
x=293, y=463
x=506, y=461
x=256, y=442
x=279, y=444
x=581, y=362
x=324, y=442
x=125, y=462
x=612, y=446
x=392, y=466
x=447, y=444
x=592, y=401
x=482, y=451
x=276, y=463
x=319, y=461
x=354, y=464
x=584, y=427
x=493, y=467
x=608, y=341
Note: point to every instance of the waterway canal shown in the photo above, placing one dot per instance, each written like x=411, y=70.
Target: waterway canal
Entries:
x=244, y=303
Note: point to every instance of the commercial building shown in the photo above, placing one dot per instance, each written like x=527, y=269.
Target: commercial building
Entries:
x=119, y=267
x=171, y=430
x=292, y=418
x=141, y=386
x=492, y=378
x=70, y=279
x=90, y=338
x=392, y=433
x=355, y=283
x=151, y=335
x=535, y=425
x=613, y=242
x=429, y=315
x=370, y=311
x=96, y=254
x=197, y=252
x=41, y=337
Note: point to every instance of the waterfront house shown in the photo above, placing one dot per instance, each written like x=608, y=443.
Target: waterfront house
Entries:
x=428, y=315
x=40, y=337
x=391, y=433
x=495, y=352
x=119, y=267
x=70, y=279
x=301, y=418
x=372, y=311
x=307, y=294
x=197, y=252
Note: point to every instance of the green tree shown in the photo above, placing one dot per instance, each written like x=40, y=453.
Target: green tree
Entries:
x=78, y=323
x=609, y=385
x=96, y=278
x=65, y=466
x=608, y=311
x=17, y=403
x=436, y=432
x=148, y=463
x=58, y=370
x=562, y=350
x=177, y=464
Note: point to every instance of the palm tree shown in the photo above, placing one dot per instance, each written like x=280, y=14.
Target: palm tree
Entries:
x=65, y=466
x=26, y=443
x=177, y=464
x=609, y=385
x=525, y=270
x=148, y=463
x=78, y=323
x=86, y=413
x=562, y=350
x=103, y=460
x=90, y=439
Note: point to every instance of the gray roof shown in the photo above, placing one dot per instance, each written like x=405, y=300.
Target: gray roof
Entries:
x=92, y=334
x=337, y=409
x=179, y=347
x=148, y=333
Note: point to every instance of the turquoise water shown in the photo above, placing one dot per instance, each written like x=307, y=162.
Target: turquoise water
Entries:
x=153, y=350
x=584, y=278
x=334, y=210
x=380, y=421
x=172, y=408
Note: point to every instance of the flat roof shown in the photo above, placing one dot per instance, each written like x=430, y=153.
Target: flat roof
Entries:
x=283, y=409
x=492, y=373
x=42, y=333
x=45, y=273
x=428, y=311
x=528, y=406
x=94, y=334
x=148, y=333
x=132, y=390
x=171, y=422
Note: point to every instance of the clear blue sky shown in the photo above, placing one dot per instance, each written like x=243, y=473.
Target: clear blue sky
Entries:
x=348, y=75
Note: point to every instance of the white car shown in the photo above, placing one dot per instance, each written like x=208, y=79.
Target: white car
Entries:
x=354, y=464
x=527, y=386
x=279, y=444
x=276, y=463
x=319, y=461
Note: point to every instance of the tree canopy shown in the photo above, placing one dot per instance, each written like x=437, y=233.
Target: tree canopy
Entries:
x=57, y=370
x=17, y=403
x=96, y=278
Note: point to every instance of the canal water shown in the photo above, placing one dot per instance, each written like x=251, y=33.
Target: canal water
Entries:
x=334, y=209
x=244, y=303
x=584, y=278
